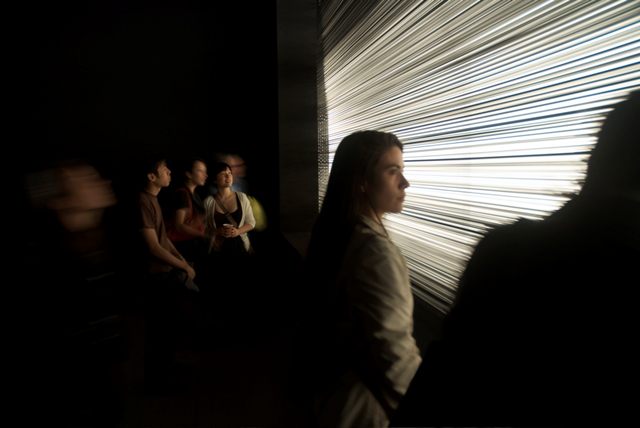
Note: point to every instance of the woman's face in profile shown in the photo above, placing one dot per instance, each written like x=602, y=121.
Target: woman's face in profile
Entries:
x=224, y=178
x=387, y=191
x=198, y=173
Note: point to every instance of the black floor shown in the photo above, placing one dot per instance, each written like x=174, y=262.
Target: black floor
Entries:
x=236, y=361
x=242, y=379
x=232, y=363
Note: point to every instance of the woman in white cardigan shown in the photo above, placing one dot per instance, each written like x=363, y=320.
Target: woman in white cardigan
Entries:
x=365, y=354
x=228, y=215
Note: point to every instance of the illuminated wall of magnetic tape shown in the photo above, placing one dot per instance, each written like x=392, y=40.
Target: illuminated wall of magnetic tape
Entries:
x=497, y=102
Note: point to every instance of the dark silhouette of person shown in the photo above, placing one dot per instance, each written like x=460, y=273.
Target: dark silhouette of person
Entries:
x=543, y=326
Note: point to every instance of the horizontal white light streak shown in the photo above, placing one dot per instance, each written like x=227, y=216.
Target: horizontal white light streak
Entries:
x=498, y=104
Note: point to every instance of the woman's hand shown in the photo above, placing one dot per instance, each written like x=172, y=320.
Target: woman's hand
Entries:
x=228, y=231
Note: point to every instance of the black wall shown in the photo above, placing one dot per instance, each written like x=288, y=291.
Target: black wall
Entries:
x=113, y=81
x=298, y=59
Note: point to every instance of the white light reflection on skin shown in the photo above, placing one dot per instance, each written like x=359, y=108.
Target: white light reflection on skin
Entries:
x=498, y=105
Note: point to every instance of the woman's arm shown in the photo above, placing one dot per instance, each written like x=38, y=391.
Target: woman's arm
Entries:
x=209, y=220
x=380, y=297
x=249, y=219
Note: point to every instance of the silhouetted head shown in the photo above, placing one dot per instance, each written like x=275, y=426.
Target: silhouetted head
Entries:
x=614, y=166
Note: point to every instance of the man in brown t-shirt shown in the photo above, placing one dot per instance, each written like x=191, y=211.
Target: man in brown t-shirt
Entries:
x=163, y=256
x=165, y=318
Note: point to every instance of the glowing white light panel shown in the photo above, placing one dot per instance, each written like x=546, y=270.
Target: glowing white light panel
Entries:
x=497, y=102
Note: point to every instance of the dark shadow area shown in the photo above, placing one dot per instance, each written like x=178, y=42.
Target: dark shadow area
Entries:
x=111, y=84
x=97, y=332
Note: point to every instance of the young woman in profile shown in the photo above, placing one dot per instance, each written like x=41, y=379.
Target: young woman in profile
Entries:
x=186, y=225
x=365, y=355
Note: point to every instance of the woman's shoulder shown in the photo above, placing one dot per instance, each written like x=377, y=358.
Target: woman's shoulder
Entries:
x=372, y=231
x=370, y=241
x=371, y=255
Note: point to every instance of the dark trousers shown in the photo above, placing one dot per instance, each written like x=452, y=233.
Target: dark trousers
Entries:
x=168, y=312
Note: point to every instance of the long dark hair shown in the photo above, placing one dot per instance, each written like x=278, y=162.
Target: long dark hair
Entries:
x=353, y=166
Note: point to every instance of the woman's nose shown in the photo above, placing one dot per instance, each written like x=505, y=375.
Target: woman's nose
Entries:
x=405, y=183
